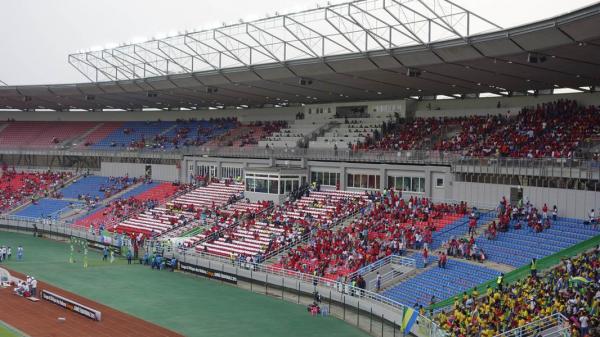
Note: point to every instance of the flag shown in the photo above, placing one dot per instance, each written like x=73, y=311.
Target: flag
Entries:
x=409, y=318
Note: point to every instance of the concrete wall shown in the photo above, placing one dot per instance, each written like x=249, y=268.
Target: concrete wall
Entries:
x=243, y=115
x=375, y=108
x=159, y=171
x=570, y=203
x=438, y=107
x=467, y=112
x=430, y=173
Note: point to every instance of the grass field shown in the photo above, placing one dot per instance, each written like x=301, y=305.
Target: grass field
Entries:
x=189, y=305
x=8, y=331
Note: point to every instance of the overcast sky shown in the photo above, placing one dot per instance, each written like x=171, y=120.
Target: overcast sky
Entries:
x=36, y=36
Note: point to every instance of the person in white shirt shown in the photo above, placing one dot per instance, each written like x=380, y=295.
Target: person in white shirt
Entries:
x=583, y=323
x=33, y=287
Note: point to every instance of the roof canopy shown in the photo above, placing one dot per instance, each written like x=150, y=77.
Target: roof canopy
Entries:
x=363, y=50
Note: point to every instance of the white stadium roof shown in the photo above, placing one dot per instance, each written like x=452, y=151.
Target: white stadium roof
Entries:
x=363, y=50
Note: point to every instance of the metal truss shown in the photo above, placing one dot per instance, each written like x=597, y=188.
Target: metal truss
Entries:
x=354, y=27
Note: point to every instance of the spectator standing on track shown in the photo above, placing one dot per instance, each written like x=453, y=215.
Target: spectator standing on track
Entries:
x=129, y=256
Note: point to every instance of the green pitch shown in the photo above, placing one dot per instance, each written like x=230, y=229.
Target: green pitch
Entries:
x=8, y=331
x=190, y=305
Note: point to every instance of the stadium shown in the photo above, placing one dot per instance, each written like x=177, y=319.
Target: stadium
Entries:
x=367, y=168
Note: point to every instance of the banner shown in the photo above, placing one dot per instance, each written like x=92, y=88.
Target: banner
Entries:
x=409, y=318
x=213, y=274
x=71, y=305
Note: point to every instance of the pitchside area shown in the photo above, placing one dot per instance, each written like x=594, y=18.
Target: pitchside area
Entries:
x=186, y=304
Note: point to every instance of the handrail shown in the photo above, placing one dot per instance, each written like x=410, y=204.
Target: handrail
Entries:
x=557, y=322
x=395, y=259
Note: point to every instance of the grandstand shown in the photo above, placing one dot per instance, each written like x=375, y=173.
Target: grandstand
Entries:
x=435, y=176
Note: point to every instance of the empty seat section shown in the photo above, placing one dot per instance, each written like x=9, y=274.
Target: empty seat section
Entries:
x=47, y=208
x=456, y=278
x=41, y=134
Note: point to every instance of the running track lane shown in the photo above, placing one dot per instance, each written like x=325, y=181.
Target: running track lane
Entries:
x=40, y=319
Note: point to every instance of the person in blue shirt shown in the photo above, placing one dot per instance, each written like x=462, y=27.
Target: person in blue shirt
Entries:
x=19, y=253
x=129, y=256
x=158, y=261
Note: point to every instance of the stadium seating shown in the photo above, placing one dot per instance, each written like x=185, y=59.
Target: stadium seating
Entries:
x=442, y=283
x=18, y=188
x=458, y=228
x=293, y=134
x=47, y=208
x=285, y=224
x=133, y=135
x=41, y=134
x=101, y=131
x=132, y=202
x=348, y=132
x=95, y=187
x=517, y=247
x=244, y=135
x=184, y=210
x=374, y=234
x=569, y=290
x=554, y=129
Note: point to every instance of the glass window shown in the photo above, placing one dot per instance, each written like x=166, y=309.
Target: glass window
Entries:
x=439, y=182
x=250, y=184
x=350, y=180
x=261, y=186
x=363, y=181
x=407, y=184
x=273, y=186
x=422, y=185
x=371, y=181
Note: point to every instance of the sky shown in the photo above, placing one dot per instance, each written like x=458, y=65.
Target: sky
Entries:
x=36, y=36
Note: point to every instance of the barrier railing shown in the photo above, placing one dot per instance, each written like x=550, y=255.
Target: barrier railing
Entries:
x=554, y=325
x=264, y=273
x=390, y=259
